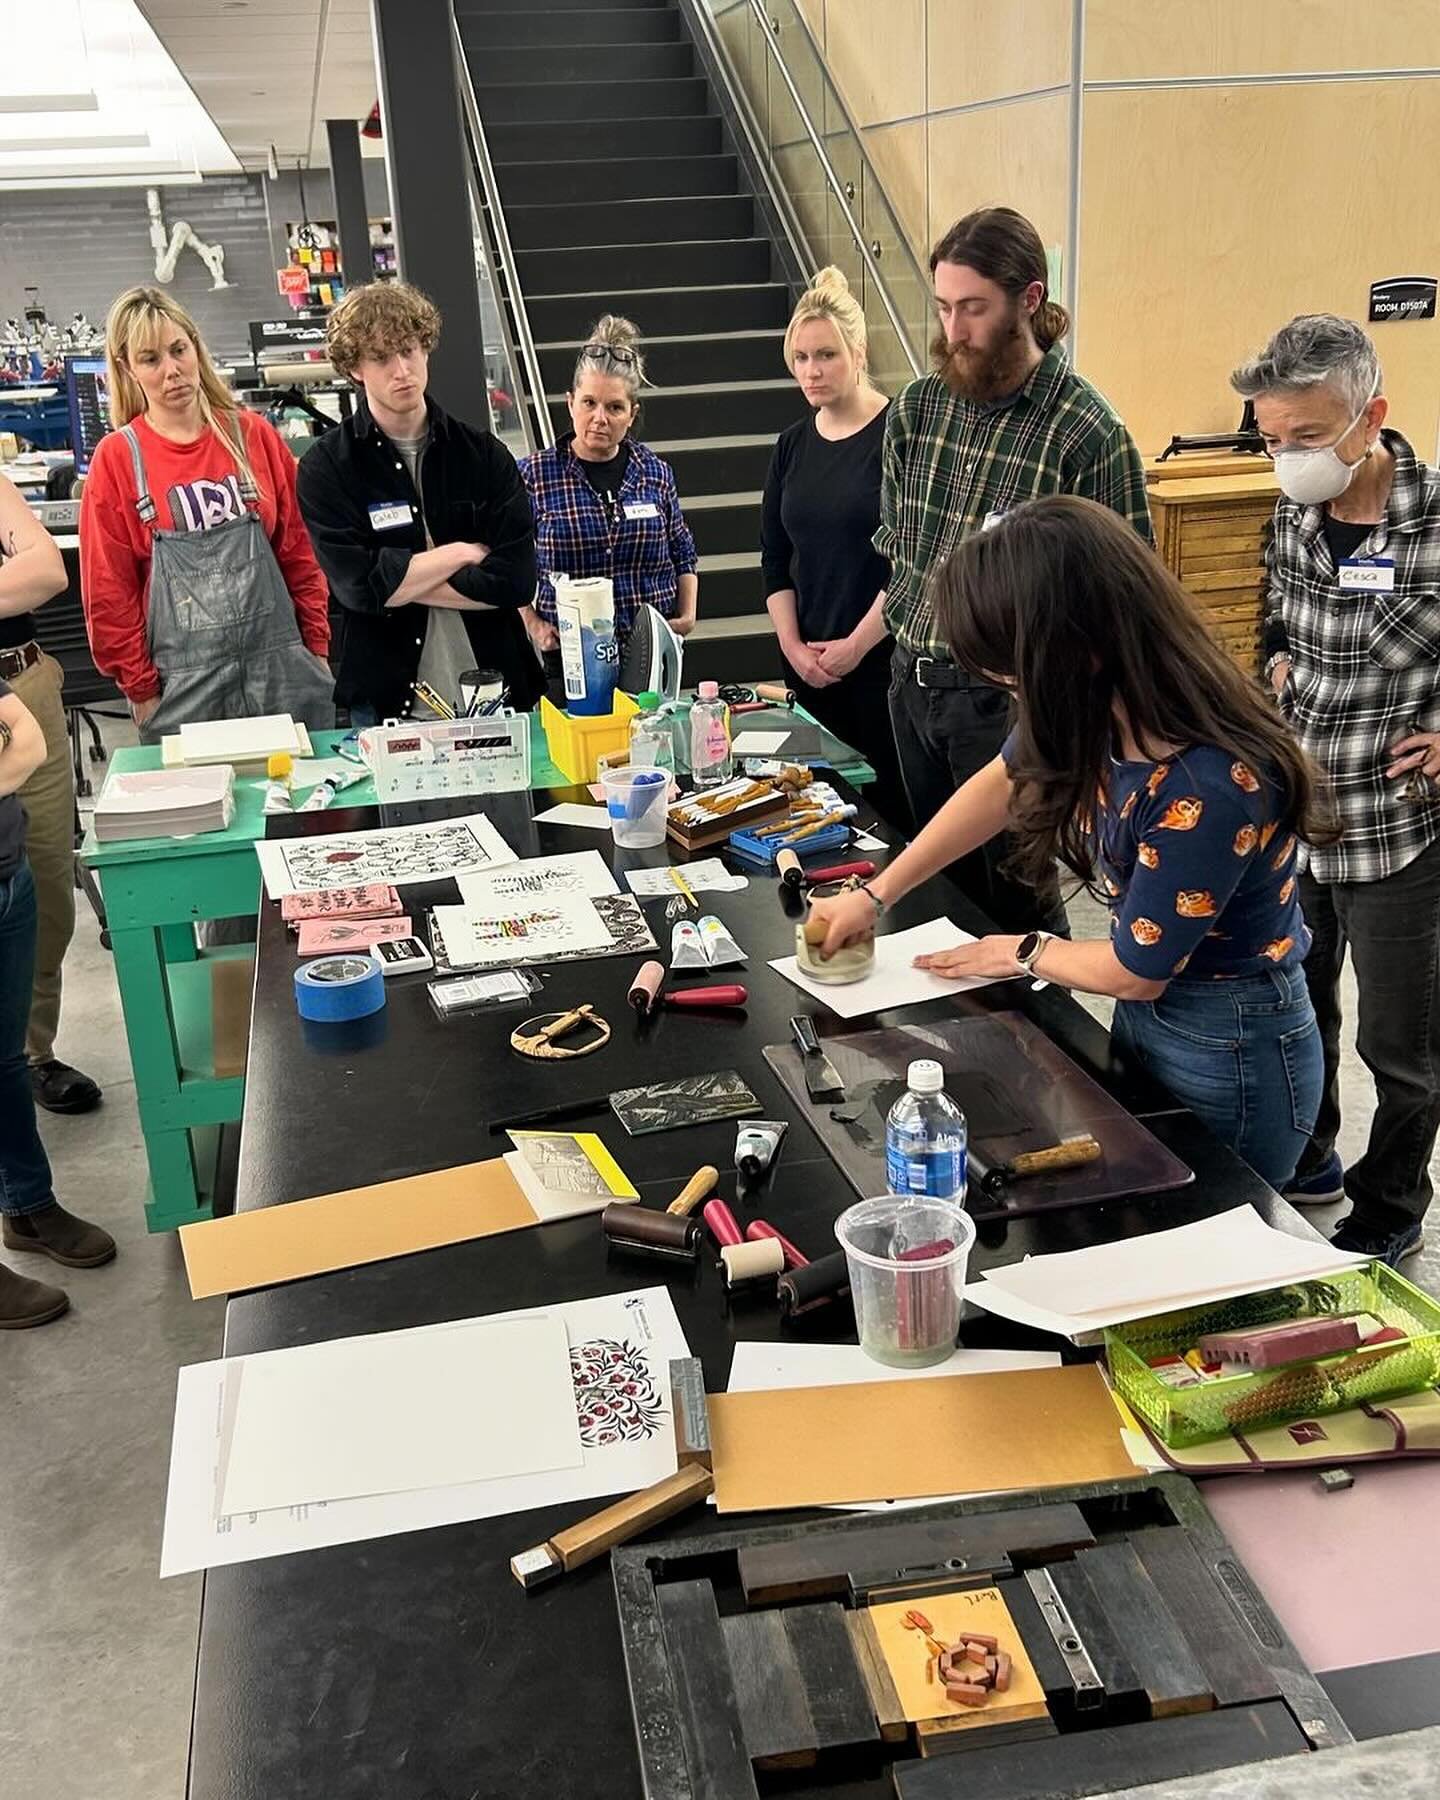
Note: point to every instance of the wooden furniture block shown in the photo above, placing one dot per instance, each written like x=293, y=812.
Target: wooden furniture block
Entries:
x=839, y=1562
x=1223, y=1643
x=889, y=1713
x=1154, y=1644
x=835, y=1690
x=774, y=1714
x=714, y=1738
x=1210, y=533
x=1113, y=1759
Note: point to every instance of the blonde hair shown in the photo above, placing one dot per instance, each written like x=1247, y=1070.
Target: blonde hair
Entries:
x=142, y=314
x=612, y=347
x=828, y=300
x=379, y=319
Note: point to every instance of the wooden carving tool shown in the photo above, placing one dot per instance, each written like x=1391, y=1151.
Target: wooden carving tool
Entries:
x=627, y=1518
x=700, y=1185
x=1073, y=1153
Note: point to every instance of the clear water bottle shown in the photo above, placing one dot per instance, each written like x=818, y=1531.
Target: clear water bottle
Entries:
x=651, y=745
x=710, y=759
x=926, y=1138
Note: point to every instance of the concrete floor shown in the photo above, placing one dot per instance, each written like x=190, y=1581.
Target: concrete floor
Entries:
x=98, y=1654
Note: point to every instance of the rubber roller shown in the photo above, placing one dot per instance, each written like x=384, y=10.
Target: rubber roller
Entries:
x=752, y=1261
x=819, y=1283
x=645, y=989
x=721, y=1223
x=758, y=1230
x=650, y=1233
x=788, y=867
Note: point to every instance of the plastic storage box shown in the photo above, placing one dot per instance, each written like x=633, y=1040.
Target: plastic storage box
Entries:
x=1300, y=1390
x=576, y=744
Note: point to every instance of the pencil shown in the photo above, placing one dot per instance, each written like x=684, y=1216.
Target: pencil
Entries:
x=685, y=888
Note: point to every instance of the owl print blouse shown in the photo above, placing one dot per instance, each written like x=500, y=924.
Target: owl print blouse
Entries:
x=1201, y=880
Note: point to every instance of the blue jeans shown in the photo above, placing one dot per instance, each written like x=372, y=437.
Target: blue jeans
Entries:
x=1245, y=1057
x=25, y=1183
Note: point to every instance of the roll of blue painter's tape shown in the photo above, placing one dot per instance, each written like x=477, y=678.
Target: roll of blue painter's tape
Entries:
x=334, y=988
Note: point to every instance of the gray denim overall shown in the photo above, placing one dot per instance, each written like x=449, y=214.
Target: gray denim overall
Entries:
x=221, y=625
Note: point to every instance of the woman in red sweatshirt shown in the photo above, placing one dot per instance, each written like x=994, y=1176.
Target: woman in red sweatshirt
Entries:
x=202, y=595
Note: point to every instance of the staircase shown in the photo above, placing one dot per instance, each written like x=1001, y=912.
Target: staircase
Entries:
x=621, y=194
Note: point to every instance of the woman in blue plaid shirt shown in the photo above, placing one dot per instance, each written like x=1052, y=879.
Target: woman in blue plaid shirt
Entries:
x=606, y=505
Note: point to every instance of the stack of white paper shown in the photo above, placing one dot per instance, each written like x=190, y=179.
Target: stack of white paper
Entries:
x=240, y=740
x=1079, y=1292
x=149, y=803
x=378, y=1416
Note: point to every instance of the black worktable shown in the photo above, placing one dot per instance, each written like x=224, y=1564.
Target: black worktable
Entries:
x=414, y=1667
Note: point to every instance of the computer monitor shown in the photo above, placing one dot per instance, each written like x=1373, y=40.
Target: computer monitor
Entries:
x=87, y=393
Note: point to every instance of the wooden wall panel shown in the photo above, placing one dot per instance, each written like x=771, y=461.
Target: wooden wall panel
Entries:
x=1212, y=215
x=900, y=154
x=1003, y=156
x=877, y=55
x=1136, y=39
x=979, y=50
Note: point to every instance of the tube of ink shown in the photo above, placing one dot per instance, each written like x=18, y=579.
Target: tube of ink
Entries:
x=757, y=1144
x=279, y=767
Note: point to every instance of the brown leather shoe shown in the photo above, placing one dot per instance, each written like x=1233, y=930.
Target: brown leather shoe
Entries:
x=24, y=1302
x=62, y=1237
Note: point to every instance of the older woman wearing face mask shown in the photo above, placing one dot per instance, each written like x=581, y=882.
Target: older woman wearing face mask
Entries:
x=1353, y=631
x=606, y=505
x=203, y=599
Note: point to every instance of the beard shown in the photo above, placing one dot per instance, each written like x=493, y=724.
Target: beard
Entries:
x=988, y=374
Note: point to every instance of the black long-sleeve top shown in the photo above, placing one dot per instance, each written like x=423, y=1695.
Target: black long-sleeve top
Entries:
x=822, y=508
x=358, y=502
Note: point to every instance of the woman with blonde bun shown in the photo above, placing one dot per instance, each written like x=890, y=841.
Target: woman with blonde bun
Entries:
x=822, y=574
x=605, y=504
x=203, y=599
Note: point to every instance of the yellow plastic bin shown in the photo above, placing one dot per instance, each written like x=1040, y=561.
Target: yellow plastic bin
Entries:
x=576, y=743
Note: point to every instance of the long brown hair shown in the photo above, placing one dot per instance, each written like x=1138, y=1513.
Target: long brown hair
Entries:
x=139, y=318
x=1003, y=246
x=1062, y=598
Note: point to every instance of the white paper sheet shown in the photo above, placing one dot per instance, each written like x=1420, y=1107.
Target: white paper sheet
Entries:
x=867, y=840
x=757, y=743
x=1165, y=1268
x=399, y=1410
x=620, y=1349
x=521, y=930
x=397, y=854
x=764, y=1366
x=572, y=812
x=892, y=982
x=538, y=877
x=708, y=875
x=238, y=740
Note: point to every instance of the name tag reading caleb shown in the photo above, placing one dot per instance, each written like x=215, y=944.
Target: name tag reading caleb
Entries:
x=1368, y=574
x=387, y=517
x=641, y=509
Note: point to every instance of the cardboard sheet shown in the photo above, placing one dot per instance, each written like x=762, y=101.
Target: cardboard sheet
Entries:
x=900, y=1440
x=356, y=1225
x=397, y=1411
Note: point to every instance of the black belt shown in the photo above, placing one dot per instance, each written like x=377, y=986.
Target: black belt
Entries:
x=936, y=672
x=17, y=660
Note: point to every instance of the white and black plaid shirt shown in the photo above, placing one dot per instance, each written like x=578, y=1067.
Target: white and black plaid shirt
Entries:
x=1365, y=666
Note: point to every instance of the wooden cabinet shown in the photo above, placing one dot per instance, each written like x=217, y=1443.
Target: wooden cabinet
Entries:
x=1210, y=532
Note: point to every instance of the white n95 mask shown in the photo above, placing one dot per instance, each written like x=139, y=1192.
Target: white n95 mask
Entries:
x=1311, y=477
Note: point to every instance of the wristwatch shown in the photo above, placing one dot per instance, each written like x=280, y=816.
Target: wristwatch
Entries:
x=1027, y=951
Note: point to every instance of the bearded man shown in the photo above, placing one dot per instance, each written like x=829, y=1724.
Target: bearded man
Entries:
x=1003, y=419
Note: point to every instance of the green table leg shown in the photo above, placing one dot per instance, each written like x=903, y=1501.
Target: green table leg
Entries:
x=174, y=1190
x=177, y=943
x=145, y=999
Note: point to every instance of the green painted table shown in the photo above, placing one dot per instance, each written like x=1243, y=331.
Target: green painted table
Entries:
x=155, y=890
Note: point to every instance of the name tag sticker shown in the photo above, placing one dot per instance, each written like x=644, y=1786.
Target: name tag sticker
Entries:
x=991, y=520
x=1372, y=574
x=388, y=518
x=641, y=509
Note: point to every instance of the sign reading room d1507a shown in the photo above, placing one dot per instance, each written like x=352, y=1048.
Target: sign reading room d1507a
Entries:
x=1403, y=297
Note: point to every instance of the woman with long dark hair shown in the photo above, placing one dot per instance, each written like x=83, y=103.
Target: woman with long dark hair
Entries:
x=1144, y=761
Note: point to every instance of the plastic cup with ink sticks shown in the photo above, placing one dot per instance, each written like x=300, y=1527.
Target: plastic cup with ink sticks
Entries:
x=908, y=1258
x=636, y=800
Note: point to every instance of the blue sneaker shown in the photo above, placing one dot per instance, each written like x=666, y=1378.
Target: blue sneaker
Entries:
x=1321, y=1187
x=1384, y=1246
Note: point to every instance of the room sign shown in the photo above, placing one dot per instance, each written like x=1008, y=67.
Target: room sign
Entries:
x=1403, y=297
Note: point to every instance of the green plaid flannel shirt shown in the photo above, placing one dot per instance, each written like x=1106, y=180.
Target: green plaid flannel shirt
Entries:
x=949, y=464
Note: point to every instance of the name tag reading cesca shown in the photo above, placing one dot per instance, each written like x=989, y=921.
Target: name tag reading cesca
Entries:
x=1369, y=574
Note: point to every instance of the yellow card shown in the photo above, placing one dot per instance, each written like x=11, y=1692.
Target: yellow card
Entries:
x=908, y=1657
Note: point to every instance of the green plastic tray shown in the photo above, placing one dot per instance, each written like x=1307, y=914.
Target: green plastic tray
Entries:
x=1301, y=1390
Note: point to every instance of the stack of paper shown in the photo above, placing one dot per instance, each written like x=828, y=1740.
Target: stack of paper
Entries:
x=405, y=1430
x=1077, y=1293
x=150, y=803
x=241, y=740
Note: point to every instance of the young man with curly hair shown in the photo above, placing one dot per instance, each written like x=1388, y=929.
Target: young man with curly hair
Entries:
x=420, y=521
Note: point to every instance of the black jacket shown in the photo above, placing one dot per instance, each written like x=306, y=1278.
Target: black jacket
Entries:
x=472, y=492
